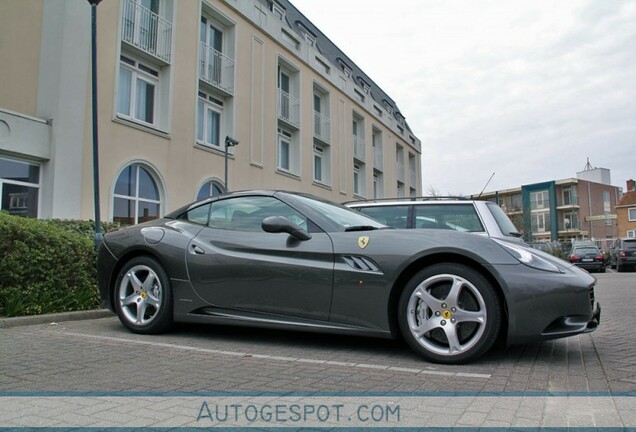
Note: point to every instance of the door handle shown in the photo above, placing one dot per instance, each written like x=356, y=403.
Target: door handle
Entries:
x=198, y=250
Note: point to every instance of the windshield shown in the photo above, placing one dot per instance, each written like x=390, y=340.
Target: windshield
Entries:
x=344, y=217
x=629, y=244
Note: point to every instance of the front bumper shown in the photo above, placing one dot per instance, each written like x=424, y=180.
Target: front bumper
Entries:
x=544, y=305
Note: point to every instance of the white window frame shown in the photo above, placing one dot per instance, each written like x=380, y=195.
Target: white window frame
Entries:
x=545, y=199
x=631, y=233
x=136, y=199
x=540, y=219
x=631, y=214
x=286, y=137
x=214, y=104
x=356, y=179
x=137, y=71
x=319, y=154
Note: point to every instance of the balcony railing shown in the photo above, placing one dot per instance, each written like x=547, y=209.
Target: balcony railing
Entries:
x=359, y=147
x=288, y=108
x=322, y=127
x=378, y=159
x=216, y=68
x=146, y=30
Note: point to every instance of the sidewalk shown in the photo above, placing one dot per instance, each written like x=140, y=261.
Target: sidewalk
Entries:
x=54, y=318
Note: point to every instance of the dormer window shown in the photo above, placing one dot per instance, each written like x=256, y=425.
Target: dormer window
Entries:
x=307, y=35
x=346, y=69
x=388, y=107
x=277, y=10
x=365, y=86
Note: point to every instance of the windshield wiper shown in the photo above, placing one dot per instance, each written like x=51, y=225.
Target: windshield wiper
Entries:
x=515, y=234
x=361, y=228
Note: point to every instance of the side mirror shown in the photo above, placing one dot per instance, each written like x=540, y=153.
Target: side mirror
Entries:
x=280, y=224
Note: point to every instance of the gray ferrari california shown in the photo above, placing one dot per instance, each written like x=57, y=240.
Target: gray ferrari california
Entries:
x=289, y=260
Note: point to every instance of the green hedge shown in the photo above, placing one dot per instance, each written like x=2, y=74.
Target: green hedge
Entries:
x=46, y=266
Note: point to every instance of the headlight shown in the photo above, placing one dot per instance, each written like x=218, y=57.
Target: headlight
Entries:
x=527, y=257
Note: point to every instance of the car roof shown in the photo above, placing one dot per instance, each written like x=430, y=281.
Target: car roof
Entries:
x=409, y=201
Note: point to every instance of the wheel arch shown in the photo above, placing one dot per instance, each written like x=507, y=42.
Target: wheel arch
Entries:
x=442, y=258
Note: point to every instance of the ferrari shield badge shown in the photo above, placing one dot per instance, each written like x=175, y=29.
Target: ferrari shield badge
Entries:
x=363, y=241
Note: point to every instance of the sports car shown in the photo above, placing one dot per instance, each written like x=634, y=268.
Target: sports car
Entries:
x=289, y=260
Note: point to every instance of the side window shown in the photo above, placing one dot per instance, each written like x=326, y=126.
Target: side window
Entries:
x=247, y=213
x=198, y=215
x=458, y=217
x=393, y=216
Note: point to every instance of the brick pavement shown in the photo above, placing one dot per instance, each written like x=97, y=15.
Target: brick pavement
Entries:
x=100, y=355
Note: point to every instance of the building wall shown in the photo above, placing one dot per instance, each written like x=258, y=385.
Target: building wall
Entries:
x=20, y=26
x=60, y=90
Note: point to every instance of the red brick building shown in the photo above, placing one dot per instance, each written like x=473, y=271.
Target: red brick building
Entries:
x=626, y=212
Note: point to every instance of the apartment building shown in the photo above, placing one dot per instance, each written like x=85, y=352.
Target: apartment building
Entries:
x=564, y=210
x=175, y=78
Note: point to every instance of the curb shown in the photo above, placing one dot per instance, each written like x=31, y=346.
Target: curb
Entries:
x=54, y=318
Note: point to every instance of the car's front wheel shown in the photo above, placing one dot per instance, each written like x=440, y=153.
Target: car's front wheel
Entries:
x=449, y=313
x=143, y=299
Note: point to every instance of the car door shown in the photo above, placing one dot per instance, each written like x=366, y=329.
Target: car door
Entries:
x=234, y=264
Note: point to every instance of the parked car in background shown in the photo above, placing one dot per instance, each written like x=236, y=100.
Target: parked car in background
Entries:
x=588, y=257
x=448, y=213
x=623, y=254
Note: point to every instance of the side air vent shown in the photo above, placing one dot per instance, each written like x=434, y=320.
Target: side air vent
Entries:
x=361, y=264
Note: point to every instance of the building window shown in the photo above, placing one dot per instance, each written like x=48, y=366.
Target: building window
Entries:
x=210, y=188
x=144, y=28
x=19, y=187
x=631, y=233
x=288, y=94
x=137, y=93
x=356, y=180
x=569, y=196
x=631, y=212
x=378, y=154
x=571, y=221
x=539, y=200
x=136, y=198
x=401, y=188
x=209, y=112
x=278, y=11
x=399, y=161
x=378, y=186
x=286, y=151
x=540, y=222
x=318, y=164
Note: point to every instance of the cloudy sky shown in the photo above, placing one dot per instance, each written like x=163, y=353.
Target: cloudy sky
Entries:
x=525, y=89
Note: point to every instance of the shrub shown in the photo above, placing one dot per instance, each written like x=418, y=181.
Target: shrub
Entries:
x=46, y=266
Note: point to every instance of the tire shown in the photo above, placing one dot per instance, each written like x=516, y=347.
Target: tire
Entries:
x=143, y=298
x=619, y=267
x=449, y=302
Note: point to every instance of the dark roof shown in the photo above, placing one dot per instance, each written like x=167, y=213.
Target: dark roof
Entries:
x=295, y=19
x=629, y=198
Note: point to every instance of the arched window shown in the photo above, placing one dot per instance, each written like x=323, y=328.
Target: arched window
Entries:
x=210, y=188
x=136, y=198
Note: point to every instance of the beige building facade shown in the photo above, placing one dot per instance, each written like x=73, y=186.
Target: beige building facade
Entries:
x=175, y=78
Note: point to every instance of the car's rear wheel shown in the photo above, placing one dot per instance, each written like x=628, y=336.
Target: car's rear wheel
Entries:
x=143, y=299
x=449, y=313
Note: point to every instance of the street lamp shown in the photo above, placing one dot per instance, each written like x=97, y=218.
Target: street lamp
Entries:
x=98, y=227
x=229, y=142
